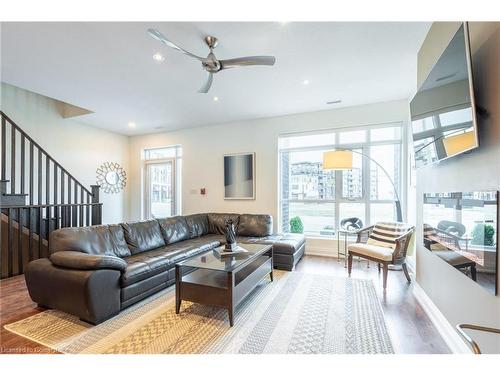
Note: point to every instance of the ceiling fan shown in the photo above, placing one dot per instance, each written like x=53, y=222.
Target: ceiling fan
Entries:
x=210, y=63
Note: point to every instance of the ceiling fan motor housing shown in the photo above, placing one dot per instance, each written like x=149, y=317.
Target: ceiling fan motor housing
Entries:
x=211, y=65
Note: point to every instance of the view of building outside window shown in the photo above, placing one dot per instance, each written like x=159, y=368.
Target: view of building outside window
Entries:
x=161, y=189
x=322, y=198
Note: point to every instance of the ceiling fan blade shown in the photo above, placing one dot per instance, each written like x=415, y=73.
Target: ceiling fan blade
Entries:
x=159, y=36
x=247, y=61
x=206, y=86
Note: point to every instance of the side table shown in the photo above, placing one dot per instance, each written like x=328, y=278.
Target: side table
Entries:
x=346, y=234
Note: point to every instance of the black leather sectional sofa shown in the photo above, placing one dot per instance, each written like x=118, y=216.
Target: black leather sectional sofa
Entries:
x=95, y=272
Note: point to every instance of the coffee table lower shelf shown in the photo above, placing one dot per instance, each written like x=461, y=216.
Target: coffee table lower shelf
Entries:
x=221, y=288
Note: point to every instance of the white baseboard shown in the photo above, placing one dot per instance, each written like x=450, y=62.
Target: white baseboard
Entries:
x=410, y=262
x=321, y=252
x=445, y=329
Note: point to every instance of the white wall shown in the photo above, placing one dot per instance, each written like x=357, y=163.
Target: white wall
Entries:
x=80, y=149
x=460, y=299
x=203, y=150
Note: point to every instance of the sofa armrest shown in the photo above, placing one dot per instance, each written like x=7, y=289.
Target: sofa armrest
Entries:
x=83, y=261
x=91, y=295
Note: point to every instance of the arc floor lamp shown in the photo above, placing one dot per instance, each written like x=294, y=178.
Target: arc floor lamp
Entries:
x=341, y=159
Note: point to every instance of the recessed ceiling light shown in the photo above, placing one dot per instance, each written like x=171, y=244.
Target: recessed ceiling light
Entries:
x=216, y=98
x=158, y=57
x=131, y=125
x=305, y=82
x=334, y=101
x=283, y=23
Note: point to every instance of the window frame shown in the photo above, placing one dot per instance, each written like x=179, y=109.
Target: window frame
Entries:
x=365, y=148
x=147, y=184
x=176, y=177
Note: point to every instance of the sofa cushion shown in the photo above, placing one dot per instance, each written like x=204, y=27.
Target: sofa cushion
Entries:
x=373, y=251
x=148, y=264
x=174, y=229
x=96, y=240
x=217, y=222
x=287, y=243
x=144, y=265
x=186, y=249
x=143, y=236
x=198, y=225
x=121, y=248
x=255, y=225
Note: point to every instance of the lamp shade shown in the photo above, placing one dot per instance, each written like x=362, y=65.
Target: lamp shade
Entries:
x=337, y=160
x=456, y=144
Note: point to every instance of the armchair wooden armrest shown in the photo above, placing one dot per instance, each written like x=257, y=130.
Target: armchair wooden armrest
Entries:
x=402, y=243
x=364, y=233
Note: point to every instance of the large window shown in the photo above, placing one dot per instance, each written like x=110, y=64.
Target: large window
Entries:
x=322, y=198
x=162, y=171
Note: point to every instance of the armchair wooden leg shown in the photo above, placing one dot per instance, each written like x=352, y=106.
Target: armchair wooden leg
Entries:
x=384, y=274
x=349, y=264
x=405, y=270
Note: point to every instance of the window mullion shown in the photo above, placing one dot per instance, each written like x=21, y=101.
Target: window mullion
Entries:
x=367, y=180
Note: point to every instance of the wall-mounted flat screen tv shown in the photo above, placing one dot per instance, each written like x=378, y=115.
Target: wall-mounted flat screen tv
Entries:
x=443, y=113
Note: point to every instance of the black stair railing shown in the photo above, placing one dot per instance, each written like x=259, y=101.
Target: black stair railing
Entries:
x=37, y=196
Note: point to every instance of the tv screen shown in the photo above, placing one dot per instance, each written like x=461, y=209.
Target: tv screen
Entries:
x=443, y=112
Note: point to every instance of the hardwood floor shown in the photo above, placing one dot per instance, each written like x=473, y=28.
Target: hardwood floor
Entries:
x=410, y=328
x=16, y=304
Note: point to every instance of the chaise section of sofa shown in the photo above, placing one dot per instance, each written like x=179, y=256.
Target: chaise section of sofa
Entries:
x=95, y=272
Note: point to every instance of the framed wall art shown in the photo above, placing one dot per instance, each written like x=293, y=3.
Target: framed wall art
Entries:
x=239, y=176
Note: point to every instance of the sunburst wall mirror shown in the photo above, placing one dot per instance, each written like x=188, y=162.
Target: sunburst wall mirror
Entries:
x=111, y=177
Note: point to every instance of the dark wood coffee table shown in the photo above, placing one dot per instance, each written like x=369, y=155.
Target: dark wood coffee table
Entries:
x=209, y=280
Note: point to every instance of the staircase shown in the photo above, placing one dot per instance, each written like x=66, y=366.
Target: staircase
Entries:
x=37, y=196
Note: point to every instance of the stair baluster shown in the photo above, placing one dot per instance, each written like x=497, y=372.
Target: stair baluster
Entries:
x=25, y=179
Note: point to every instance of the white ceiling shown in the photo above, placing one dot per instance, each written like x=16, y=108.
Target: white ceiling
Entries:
x=108, y=68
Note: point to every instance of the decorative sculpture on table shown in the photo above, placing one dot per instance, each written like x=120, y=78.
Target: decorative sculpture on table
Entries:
x=230, y=235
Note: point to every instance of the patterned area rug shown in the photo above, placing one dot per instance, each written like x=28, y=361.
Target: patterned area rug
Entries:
x=297, y=313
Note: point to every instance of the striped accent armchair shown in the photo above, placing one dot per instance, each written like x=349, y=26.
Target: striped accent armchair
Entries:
x=385, y=243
